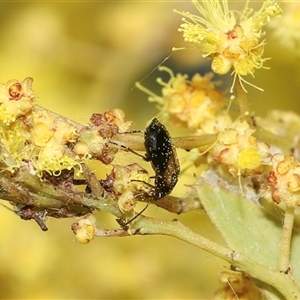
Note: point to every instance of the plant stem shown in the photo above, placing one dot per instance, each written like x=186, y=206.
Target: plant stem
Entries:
x=241, y=98
x=285, y=242
x=191, y=142
x=284, y=283
x=136, y=142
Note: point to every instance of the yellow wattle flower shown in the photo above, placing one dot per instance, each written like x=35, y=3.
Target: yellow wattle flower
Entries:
x=231, y=39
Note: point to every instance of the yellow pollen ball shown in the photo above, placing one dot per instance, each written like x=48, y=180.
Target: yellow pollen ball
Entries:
x=221, y=65
x=248, y=158
x=41, y=134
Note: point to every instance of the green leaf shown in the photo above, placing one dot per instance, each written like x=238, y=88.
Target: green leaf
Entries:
x=247, y=227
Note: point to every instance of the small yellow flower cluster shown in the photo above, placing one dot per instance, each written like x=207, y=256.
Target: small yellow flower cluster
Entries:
x=188, y=103
x=49, y=137
x=238, y=149
x=216, y=124
x=33, y=135
x=49, y=142
x=126, y=182
x=199, y=106
x=284, y=180
x=94, y=141
x=231, y=39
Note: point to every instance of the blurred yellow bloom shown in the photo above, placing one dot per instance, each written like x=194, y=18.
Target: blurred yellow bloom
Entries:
x=188, y=103
x=287, y=28
x=236, y=285
x=216, y=124
x=230, y=38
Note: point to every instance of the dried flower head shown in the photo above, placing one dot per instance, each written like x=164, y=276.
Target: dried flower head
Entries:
x=85, y=229
x=230, y=38
x=284, y=180
x=16, y=100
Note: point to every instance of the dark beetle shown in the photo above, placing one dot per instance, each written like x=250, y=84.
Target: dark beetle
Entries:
x=163, y=157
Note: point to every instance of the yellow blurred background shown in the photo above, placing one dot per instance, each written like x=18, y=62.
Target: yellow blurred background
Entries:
x=85, y=57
